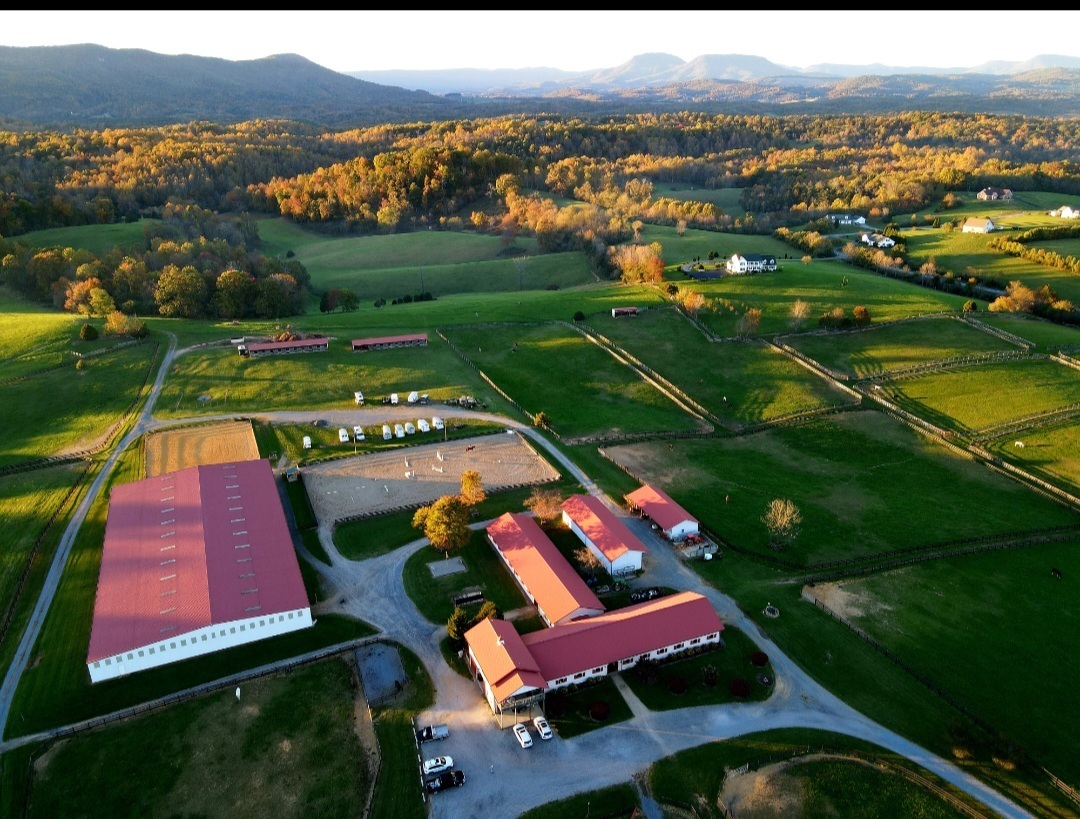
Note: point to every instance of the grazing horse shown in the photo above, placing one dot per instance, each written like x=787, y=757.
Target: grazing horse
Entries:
x=470, y=448
x=1019, y=444
x=1056, y=572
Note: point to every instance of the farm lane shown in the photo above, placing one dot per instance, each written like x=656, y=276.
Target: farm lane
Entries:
x=373, y=591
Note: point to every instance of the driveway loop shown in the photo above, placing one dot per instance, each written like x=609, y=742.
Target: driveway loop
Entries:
x=381, y=672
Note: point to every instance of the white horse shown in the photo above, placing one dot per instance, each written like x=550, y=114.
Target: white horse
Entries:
x=1019, y=444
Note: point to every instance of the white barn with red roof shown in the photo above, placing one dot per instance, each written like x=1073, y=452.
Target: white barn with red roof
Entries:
x=546, y=577
x=655, y=504
x=515, y=672
x=194, y=561
x=615, y=546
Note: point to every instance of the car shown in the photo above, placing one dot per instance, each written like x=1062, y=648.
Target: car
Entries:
x=542, y=728
x=343, y=435
x=438, y=765
x=430, y=732
x=358, y=432
x=447, y=779
x=523, y=736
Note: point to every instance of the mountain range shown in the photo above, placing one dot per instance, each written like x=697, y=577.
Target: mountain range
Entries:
x=94, y=86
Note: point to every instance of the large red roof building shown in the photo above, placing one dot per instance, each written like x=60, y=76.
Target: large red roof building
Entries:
x=194, y=561
x=615, y=546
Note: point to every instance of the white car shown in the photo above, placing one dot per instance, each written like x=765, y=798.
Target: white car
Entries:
x=358, y=433
x=523, y=736
x=542, y=728
x=438, y=765
x=343, y=435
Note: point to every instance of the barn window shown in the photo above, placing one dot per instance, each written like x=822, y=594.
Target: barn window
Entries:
x=172, y=645
x=141, y=652
x=232, y=630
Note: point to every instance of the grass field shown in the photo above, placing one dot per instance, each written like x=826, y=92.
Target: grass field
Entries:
x=217, y=757
x=1050, y=452
x=896, y=345
x=596, y=394
x=820, y=284
x=727, y=199
x=1003, y=617
x=738, y=383
x=969, y=399
x=859, y=479
x=1046, y=335
x=98, y=239
x=70, y=409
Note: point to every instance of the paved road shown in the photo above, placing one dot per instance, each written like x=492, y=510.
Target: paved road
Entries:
x=373, y=591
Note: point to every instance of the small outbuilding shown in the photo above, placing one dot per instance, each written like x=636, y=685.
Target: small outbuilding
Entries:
x=656, y=505
x=614, y=545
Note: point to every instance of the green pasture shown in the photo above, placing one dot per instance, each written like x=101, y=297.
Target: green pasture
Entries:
x=1045, y=335
x=864, y=483
x=730, y=662
x=312, y=381
x=616, y=800
x=727, y=199
x=739, y=383
x=68, y=409
x=1049, y=452
x=216, y=757
x=98, y=239
x=821, y=285
x=969, y=399
x=896, y=345
x=1063, y=247
x=55, y=689
x=568, y=711
x=836, y=787
x=483, y=568
x=32, y=336
x=677, y=250
x=581, y=387
x=1002, y=616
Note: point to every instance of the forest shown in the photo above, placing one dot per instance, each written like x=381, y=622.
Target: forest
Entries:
x=570, y=183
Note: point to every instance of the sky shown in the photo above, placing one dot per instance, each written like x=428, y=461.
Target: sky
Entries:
x=348, y=41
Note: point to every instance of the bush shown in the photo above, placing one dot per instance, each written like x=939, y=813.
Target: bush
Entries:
x=555, y=705
x=740, y=688
x=759, y=659
x=579, y=316
x=88, y=332
x=80, y=364
x=599, y=711
x=677, y=685
x=647, y=672
x=710, y=676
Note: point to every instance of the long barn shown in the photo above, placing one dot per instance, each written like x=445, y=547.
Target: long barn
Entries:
x=389, y=342
x=194, y=561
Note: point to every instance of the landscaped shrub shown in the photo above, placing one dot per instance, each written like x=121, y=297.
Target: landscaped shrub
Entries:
x=88, y=332
x=579, y=316
x=740, y=688
x=647, y=672
x=759, y=659
x=555, y=704
x=599, y=711
x=677, y=685
x=710, y=676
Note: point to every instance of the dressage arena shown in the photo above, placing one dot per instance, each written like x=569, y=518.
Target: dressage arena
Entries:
x=173, y=449
x=418, y=475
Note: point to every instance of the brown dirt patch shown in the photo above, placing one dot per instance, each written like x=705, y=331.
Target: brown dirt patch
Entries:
x=848, y=604
x=173, y=449
x=414, y=476
x=763, y=794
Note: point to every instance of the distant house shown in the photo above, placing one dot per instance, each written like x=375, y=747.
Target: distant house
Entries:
x=750, y=263
x=389, y=342
x=299, y=345
x=614, y=545
x=978, y=225
x=1066, y=212
x=877, y=240
x=655, y=504
x=848, y=219
x=994, y=194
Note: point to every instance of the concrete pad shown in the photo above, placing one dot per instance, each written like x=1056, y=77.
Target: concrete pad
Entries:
x=441, y=568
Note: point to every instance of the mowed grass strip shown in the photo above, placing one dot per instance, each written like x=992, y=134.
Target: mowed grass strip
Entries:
x=1051, y=453
x=69, y=409
x=820, y=284
x=864, y=483
x=969, y=399
x=738, y=383
x=55, y=689
x=1002, y=616
x=483, y=568
x=582, y=388
x=219, y=757
x=896, y=345
x=1046, y=335
x=322, y=380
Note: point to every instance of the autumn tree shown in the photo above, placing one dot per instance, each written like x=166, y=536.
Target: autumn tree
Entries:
x=689, y=299
x=472, y=488
x=541, y=420
x=861, y=315
x=546, y=504
x=748, y=323
x=78, y=295
x=782, y=518
x=586, y=560
x=638, y=264
x=798, y=314
x=118, y=324
x=180, y=292
x=101, y=303
x=445, y=523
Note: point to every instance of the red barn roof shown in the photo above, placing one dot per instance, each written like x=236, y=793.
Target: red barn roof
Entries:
x=557, y=588
x=566, y=649
x=602, y=526
x=502, y=657
x=659, y=506
x=191, y=549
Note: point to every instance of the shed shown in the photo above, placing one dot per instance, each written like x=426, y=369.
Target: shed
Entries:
x=654, y=503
